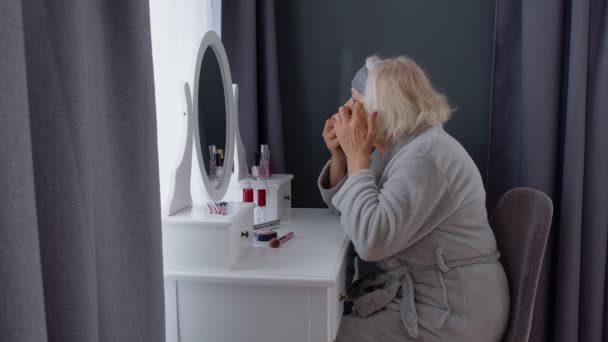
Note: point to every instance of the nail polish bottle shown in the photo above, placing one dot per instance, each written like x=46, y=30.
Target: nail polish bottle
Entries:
x=247, y=193
x=212, y=162
x=260, y=213
x=255, y=169
x=255, y=172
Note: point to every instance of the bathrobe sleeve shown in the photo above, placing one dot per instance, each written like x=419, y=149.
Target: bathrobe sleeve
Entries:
x=413, y=201
x=328, y=193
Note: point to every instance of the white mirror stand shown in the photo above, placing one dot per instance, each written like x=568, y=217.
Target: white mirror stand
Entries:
x=179, y=188
x=240, y=157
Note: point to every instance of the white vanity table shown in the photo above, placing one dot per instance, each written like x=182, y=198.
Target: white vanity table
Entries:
x=220, y=285
x=292, y=293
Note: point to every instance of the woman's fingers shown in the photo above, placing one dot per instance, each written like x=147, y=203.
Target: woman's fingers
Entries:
x=353, y=131
x=333, y=143
x=328, y=127
x=339, y=128
x=329, y=124
x=329, y=135
x=358, y=113
x=337, y=121
x=344, y=114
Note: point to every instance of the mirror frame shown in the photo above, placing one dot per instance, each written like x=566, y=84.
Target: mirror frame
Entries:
x=215, y=192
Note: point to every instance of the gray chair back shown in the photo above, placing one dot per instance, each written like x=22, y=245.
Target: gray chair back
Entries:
x=521, y=224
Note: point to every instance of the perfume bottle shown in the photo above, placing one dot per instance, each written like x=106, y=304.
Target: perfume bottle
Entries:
x=269, y=165
x=264, y=162
x=219, y=166
x=212, y=162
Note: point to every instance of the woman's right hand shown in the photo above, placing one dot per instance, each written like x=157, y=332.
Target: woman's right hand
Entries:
x=331, y=140
x=337, y=167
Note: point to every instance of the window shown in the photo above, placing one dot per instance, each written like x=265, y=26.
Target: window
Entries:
x=177, y=28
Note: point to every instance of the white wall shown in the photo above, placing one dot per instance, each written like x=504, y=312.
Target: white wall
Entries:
x=177, y=28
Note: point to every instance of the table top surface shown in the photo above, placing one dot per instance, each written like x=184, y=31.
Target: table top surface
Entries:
x=313, y=256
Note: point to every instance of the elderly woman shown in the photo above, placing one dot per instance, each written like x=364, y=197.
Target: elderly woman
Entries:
x=416, y=207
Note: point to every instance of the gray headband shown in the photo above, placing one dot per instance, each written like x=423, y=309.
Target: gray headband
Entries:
x=358, y=82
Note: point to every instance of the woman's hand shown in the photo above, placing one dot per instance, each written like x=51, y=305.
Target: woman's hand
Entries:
x=337, y=168
x=331, y=140
x=355, y=131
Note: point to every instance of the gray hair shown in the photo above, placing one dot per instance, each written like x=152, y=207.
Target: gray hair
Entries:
x=401, y=93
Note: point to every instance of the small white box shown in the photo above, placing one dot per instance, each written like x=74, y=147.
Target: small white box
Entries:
x=278, y=196
x=193, y=239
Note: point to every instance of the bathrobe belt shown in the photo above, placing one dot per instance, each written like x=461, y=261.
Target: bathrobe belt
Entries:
x=383, y=289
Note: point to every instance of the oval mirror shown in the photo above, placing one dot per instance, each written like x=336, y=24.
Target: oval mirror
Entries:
x=214, y=115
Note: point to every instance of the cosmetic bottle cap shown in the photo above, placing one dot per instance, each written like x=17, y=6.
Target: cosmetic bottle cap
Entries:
x=261, y=197
x=264, y=152
x=255, y=172
x=248, y=195
x=212, y=151
x=221, y=152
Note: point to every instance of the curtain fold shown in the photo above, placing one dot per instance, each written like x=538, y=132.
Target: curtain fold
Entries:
x=22, y=315
x=249, y=36
x=548, y=131
x=80, y=214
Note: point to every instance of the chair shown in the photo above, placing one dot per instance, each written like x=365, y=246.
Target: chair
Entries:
x=521, y=224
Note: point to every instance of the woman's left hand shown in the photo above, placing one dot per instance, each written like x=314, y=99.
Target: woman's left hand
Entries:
x=356, y=132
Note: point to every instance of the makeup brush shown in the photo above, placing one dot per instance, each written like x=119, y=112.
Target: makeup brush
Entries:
x=275, y=243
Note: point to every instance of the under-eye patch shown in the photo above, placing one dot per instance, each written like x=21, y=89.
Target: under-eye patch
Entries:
x=358, y=82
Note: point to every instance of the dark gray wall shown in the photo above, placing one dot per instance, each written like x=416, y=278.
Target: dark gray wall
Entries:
x=321, y=43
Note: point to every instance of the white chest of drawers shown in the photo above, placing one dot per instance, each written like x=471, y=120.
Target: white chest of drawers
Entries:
x=292, y=293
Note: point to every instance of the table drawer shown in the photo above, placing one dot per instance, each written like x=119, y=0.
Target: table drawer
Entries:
x=207, y=245
x=219, y=312
x=338, y=295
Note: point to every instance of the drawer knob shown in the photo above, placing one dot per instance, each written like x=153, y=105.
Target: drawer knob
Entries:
x=343, y=298
x=245, y=234
x=287, y=197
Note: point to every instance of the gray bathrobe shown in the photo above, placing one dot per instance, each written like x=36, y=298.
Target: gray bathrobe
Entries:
x=419, y=211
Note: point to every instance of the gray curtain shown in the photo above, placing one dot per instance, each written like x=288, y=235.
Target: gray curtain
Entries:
x=80, y=237
x=248, y=34
x=549, y=129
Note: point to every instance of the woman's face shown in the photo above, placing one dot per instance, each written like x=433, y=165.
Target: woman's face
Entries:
x=354, y=96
